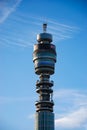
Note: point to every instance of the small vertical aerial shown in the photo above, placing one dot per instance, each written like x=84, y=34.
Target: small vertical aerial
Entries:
x=44, y=58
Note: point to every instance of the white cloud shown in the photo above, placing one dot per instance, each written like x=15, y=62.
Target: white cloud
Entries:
x=75, y=113
x=4, y=100
x=32, y=116
x=74, y=97
x=11, y=35
x=61, y=31
x=7, y=7
x=72, y=120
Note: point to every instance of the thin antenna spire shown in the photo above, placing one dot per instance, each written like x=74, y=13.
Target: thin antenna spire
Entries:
x=44, y=27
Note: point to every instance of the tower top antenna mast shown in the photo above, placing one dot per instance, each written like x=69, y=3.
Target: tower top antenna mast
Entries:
x=44, y=27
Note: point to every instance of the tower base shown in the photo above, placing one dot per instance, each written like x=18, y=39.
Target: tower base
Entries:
x=44, y=120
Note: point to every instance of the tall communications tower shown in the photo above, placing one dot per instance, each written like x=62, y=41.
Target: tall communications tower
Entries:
x=44, y=58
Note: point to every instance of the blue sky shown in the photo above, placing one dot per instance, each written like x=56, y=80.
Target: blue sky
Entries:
x=20, y=22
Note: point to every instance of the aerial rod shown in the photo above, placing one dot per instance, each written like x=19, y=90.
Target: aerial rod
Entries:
x=44, y=27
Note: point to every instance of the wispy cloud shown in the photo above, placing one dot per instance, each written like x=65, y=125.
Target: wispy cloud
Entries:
x=6, y=100
x=63, y=31
x=78, y=98
x=31, y=116
x=75, y=119
x=74, y=114
x=26, y=26
x=14, y=42
x=6, y=8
